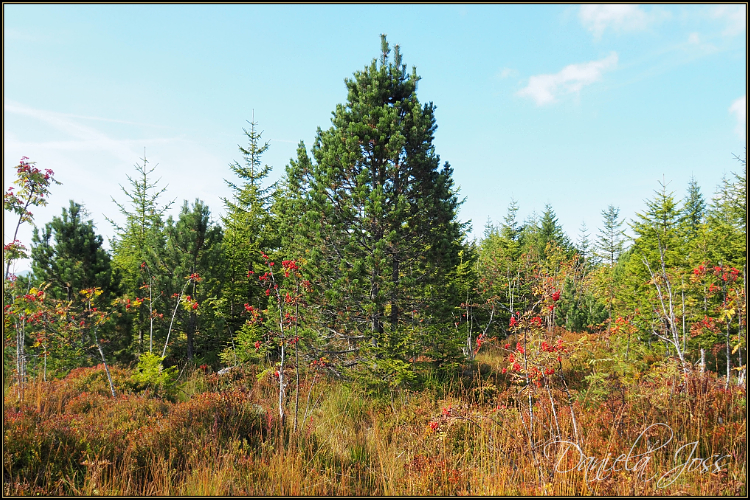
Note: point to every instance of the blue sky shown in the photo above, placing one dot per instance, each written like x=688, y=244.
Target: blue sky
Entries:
x=576, y=106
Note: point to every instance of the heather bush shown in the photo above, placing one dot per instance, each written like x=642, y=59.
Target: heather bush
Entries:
x=226, y=439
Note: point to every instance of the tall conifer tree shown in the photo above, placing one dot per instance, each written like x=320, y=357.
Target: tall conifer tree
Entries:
x=379, y=227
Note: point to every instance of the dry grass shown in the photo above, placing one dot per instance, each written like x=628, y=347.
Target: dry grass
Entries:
x=226, y=441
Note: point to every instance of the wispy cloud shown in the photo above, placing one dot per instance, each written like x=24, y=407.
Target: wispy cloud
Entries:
x=84, y=138
x=506, y=72
x=622, y=17
x=739, y=110
x=21, y=35
x=87, y=138
x=696, y=45
x=545, y=89
x=734, y=15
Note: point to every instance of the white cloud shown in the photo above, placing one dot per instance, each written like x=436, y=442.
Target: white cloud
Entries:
x=544, y=89
x=694, y=39
x=506, y=72
x=735, y=17
x=739, y=109
x=621, y=17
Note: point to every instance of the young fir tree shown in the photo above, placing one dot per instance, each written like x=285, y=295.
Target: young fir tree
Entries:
x=379, y=226
x=652, y=278
x=538, y=232
x=657, y=231
x=578, y=308
x=249, y=230
x=726, y=221
x=551, y=231
x=583, y=246
x=610, y=241
x=694, y=210
x=529, y=239
x=509, y=228
x=132, y=245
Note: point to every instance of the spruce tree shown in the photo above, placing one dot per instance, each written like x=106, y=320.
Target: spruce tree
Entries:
x=132, y=245
x=694, y=210
x=583, y=245
x=551, y=231
x=249, y=229
x=610, y=241
x=652, y=279
x=380, y=229
x=726, y=220
x=143, y=213
x=509, y=229
x=540, y=231
x=657, y=230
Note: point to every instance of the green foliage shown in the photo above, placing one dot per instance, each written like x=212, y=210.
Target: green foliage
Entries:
x=244, y=349
x=67, y=258
x=150, y=373
x=657, y=231
x=578, y=309
x=132, y=244
x=694, y=211
x=727, y=221
x=539, y=232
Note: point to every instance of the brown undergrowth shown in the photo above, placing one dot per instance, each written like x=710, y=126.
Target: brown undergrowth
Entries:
x=654, y=434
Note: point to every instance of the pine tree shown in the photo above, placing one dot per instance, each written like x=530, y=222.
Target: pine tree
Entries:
x=379, y=223
x=194, y=246
x=69, y=255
